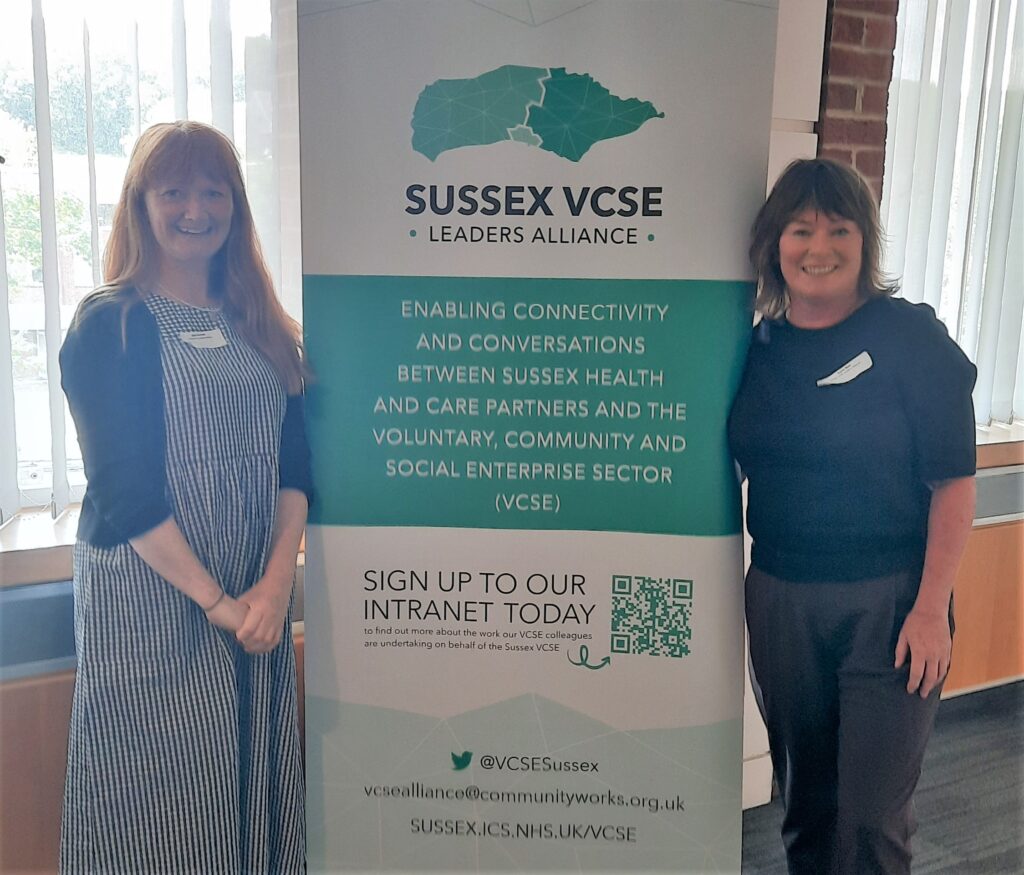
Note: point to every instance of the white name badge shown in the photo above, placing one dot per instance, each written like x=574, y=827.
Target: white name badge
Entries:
x=850, y=371
x=212, y=339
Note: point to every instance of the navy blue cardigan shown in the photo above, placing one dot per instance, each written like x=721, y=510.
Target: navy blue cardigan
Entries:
x=112, y=376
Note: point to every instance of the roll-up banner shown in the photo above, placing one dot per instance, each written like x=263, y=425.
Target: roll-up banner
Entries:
x=526, y=304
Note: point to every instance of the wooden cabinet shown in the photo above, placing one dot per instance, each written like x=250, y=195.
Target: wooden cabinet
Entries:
x=34, y=715
x=988, y=647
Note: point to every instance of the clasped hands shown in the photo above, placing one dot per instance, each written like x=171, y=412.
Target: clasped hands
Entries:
x=257, y=616
x=926, y=639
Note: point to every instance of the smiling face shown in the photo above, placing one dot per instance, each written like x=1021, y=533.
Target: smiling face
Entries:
x=820, y=259
x=190, y=219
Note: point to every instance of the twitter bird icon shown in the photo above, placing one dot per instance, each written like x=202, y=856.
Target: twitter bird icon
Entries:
x=461, y=760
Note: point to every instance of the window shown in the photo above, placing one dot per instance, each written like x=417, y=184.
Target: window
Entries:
x=953, y=204
x=79, y=79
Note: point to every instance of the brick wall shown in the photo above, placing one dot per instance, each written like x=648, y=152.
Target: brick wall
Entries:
x=860, y=36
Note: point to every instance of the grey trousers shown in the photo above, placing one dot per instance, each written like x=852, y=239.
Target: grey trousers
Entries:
x=847, y=740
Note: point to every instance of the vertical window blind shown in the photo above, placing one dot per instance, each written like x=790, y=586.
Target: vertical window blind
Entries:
x=953, y=204
x=78, y=82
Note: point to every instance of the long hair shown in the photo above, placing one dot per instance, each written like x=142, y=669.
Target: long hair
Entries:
x=828, y=187
x=239, y=278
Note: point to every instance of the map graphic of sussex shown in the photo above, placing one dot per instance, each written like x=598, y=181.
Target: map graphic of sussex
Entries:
x=564, y=113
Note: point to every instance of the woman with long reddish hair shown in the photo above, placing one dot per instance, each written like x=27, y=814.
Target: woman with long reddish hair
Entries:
x=184, y=376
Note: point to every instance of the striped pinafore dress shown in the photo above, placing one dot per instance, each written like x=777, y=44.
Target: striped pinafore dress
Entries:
x=184, y=753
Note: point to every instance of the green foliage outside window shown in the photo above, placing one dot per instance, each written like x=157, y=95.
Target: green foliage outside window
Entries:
x=112, y=104
x=24, y=240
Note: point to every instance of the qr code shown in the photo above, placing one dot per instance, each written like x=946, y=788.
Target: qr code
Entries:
x=651, y=615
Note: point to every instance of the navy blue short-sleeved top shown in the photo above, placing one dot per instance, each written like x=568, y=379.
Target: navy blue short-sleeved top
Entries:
x=841, y=430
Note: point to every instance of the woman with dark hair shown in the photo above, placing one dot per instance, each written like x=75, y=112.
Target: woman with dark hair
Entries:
x=855, y=430
x=184, y=377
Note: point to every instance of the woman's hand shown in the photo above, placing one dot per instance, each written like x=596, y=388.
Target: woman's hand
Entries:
x=925, y=633
x=267, y=603
x=228, y=614
x=926, y=637
x=269, y=597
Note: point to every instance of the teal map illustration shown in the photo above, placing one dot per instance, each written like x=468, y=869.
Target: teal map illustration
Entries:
x=564, y=113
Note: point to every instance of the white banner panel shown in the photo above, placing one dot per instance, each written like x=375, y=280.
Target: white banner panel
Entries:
x=527, y=304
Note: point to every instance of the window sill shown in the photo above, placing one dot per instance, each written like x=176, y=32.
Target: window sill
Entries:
x=35, y=548
x=1000, y=445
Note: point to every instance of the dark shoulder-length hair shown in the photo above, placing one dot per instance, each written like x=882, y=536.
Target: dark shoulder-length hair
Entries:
x=828, y=187
x=239, y=278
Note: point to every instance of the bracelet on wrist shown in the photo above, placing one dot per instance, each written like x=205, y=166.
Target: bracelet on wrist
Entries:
x=216, y=602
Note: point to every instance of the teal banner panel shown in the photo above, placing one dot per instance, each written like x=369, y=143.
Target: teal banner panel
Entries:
x=516, y=403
